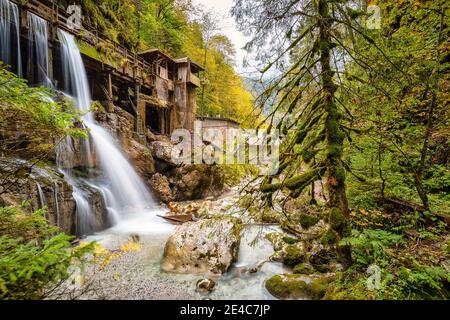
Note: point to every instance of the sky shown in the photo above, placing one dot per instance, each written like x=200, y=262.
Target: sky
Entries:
x=228, y=28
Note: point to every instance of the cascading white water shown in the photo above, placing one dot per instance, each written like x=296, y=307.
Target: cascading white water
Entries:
x=121, y=188
x=9, y=27
x=42, y=199
x=38, y=49
x=55, y=194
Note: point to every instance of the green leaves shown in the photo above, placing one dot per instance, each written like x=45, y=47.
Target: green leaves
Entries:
x=41, y=121
x=32, y=254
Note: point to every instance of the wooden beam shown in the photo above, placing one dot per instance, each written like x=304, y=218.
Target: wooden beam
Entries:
x=110, y=97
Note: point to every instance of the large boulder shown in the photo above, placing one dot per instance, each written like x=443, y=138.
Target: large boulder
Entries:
x=202, y=247
x=161, y=187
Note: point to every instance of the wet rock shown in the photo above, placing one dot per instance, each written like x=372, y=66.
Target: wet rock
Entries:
x=161, y=187
x=45, y=186
x=240, y=271
x=270, y=216
x=121, y=125
x=205, y=246
x=296, y=286
x=253, y=270
x=292, y=254
x=205, y=286
x=276, y=239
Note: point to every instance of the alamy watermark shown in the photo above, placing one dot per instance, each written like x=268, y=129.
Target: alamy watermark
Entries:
x=74, y=19
x=374, y=279
x=227, y=146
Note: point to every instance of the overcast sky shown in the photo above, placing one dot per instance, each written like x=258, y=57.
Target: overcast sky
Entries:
x=228, y=27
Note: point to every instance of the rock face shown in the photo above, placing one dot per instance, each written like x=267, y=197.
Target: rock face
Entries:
x=193, y=182
x=206, y=246
x=44, y=186
x=161, y=187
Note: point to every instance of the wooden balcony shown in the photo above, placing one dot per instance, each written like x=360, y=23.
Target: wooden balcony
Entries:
x=194, y=80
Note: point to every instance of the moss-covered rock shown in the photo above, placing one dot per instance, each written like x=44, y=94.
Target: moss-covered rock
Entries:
x=336, y=218
x=290, y=240
x=303, y=268
x=322, y=256
x=295, y=286
x=293, y=254
x=307, y=221
x=328, y=238
x=270, y=216
x=276, y=239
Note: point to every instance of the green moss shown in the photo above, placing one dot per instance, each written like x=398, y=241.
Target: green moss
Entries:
x=275, y=239
x=290, y=240
x=307, y=221
x=95, y=54
x=303, y=268
x=293, y=255
x=269, y=216
x=328, y=238
x=336, y=218
x=294, y=286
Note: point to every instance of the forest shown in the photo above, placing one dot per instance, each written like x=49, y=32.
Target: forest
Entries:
x=93, y=205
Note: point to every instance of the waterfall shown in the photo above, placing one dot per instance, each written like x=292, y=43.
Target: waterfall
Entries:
x=55, y=194
x=121, y=187
x=38, y=50
x=42, y=199
x=9, y=27
x=86, y=222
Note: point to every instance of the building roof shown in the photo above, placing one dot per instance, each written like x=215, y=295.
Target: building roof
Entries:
x=194, y=64
x=151, y=54
x=219, y=119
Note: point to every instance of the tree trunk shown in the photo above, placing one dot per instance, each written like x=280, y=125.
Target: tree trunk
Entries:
x=339, y=212
x=418, y=177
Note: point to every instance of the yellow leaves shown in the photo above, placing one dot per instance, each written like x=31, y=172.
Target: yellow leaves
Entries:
x=108, y=258
x=104, y=256
x=131, y=246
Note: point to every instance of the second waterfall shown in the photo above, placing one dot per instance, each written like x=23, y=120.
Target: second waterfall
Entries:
x=122, y=189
